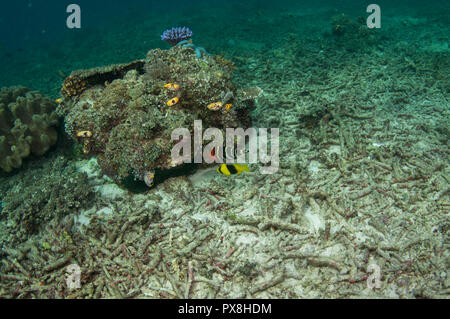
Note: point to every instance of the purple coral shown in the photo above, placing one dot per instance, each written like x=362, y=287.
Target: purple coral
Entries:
x=175, y=35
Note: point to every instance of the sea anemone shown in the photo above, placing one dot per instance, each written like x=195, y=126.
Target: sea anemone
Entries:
x=175, y=35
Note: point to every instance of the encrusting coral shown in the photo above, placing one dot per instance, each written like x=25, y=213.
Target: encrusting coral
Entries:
x=130, y=110
x=27, y=125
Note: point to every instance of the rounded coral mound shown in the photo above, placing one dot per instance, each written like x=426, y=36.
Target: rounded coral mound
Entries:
x=127, y=112
x=27, y=121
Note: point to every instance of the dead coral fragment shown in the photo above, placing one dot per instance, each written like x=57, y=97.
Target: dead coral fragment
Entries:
x=52, y=190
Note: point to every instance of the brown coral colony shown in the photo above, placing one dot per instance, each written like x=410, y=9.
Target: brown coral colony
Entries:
x=27, y=121
x=73, y=86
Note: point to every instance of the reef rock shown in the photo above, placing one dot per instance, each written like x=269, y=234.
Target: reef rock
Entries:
x=125, y=113
x=353, y=34
x=27, y=125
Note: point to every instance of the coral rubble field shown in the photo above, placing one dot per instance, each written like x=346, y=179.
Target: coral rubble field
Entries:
x=363, y=179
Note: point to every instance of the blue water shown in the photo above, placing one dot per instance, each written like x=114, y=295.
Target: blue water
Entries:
x=35, y=42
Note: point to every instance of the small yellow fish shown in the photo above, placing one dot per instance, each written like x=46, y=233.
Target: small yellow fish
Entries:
x=173, y=101
x=59, y=100
x=232, y=169
x=84, y=134
x=215, y=106
x=86, y=147
x=227, y=108
x=172, y=86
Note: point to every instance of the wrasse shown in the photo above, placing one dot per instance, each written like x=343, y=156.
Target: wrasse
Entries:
x=232, y=169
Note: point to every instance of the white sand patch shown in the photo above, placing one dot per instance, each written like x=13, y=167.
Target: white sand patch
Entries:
x=375, y=144
x=248, y=212
x=90, y=167
x=84, y=218
x=110, y=191
x=202, y=175
x=314, y=167
x=422, y=146
x=336, y=149
x=105, y=211
x=204, y=218
x=360, y=237
x=336, y=250
x=246, y=239
x=314, y=220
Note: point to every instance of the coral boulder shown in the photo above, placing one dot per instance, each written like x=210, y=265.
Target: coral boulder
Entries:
x=127, y=112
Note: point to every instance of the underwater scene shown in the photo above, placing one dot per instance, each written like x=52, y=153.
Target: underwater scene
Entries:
x=213, y=149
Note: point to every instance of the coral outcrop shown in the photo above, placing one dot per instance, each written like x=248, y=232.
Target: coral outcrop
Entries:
x=27, y=125
x=127, y=112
